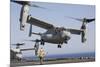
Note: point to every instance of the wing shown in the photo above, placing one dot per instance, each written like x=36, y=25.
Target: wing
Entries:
x=74, y=31
x=20, y=2
x=27, y=49
x=39, y=23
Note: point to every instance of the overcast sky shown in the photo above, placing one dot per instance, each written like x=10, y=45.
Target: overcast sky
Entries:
x=55, y=14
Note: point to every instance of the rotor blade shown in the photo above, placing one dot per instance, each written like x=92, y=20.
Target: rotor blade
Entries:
x=15, y=50
x=19, y=44
x=13, y=44
x=34, y=40
x=27, y=3
x=30, y=40
x=90, y=20
x=21, y=2
x=33, y=5
x=27, y=49
x=84, y=19
x=36, y=33
x=75, y=18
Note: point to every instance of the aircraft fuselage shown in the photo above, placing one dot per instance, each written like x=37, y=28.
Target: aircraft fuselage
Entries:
x=55, y=37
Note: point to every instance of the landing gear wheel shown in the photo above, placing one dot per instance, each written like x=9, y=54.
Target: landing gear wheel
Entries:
x=66, y=42
x=59, y=46
x=42, y=43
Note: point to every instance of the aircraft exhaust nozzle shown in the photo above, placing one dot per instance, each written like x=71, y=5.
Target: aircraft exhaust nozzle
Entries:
x=23, y=16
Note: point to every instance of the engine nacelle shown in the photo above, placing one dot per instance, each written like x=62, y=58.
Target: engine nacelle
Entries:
x=30, y=31
x=23, y=16
x=83, y=36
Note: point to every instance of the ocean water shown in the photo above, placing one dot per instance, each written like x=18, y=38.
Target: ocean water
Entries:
x=77, y=55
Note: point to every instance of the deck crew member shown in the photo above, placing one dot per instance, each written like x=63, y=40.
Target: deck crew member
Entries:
x=41, y=55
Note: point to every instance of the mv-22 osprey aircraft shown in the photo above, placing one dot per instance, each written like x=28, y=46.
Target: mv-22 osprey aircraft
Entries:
x=54, y=35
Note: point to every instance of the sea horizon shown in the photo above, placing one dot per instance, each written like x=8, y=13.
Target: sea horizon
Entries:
x=55, y=56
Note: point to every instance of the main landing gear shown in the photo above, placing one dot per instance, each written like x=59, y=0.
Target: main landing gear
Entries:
x=42, y=42
x=66, y=42
x=59, y=46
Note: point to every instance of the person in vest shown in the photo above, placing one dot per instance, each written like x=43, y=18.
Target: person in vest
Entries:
x=41, y=55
